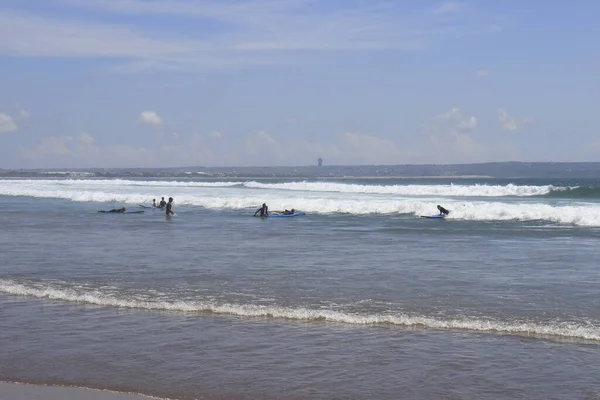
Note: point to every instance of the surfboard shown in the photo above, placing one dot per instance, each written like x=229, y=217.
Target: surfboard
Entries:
x=119, y=212
x=296, y=214
x=436, y=216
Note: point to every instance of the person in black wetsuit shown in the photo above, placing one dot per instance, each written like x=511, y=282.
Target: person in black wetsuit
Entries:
x=264, y=211
x=154, y=203
x=163, y=203
x=289, y=212
x=114, y=210
x=442, y=210
x=170, y=207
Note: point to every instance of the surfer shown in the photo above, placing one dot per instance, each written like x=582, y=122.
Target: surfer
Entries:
x=163, y=203
x=170, y=207
x=288, y=212
x=114, y=210
x=153, y=202
x=442, y=210
x=263, y=210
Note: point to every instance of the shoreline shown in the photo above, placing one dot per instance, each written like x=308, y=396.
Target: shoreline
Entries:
x=34, y=391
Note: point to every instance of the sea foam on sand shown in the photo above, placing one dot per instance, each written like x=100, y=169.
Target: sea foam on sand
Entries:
x=18, y=391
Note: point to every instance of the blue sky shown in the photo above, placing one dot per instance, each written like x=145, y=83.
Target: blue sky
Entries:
x=156, y=83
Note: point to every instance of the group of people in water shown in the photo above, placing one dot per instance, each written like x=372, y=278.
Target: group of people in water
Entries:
x=168, y=206
x=264, y=211
x=161, y=204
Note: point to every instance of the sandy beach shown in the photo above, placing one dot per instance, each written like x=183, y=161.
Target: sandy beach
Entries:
x=19, y=391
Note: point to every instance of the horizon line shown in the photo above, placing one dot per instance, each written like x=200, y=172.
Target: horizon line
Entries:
x=295, y=166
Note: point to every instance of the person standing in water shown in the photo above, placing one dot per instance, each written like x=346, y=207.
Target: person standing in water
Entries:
x=162, y=202
x=264, y=211
x=170, y=207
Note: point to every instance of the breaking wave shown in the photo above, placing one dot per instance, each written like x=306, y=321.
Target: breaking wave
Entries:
x=559, y=329
x=320, y=202
x=412, y=190
x=476, y=190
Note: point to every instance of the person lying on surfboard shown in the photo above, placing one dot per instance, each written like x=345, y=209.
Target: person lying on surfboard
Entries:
x=288, y=212
x=264, y=211
x=442, y=210
x=114, y=210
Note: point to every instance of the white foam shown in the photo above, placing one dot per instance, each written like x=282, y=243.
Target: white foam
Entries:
x=562, y=329
x=404, y=190
x=10, y=390
x=412, y=190
x=239, y=198
x=579, y=214
x=118, y=182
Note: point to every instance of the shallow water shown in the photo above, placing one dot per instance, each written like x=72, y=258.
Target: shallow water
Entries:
x=360, y=298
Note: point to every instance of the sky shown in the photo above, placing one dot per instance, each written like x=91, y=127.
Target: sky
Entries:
x=167, y=83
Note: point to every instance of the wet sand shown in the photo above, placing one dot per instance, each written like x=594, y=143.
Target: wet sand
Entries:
x=18, y=391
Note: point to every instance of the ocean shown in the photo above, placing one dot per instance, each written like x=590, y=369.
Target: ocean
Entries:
x=360, y=298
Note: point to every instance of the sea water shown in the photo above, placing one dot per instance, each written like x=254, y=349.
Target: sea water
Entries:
x=358, y=299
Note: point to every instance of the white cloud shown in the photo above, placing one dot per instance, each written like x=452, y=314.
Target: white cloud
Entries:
x=247, y=33
x=85, y=138
x=187, y=153
x=450, y=137
x=259, y=148
x=80, y=152
x=51, y=149
x=510, y=123
x=262, y=148
x=459, y=121
x=256, y=149
x=361, y=148
x=23, y=114
x=7, y=124
x=149, y=118
x=264, y=136
x=482, y=73
x=467, y=124
x=27, y=35
x=449, y=7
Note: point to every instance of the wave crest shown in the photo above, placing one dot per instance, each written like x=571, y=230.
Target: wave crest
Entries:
x=559, y=329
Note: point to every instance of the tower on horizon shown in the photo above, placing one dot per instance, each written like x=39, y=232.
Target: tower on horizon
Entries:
x=320, y=162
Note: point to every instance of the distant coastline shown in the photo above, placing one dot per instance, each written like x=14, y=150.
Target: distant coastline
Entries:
x=452, y=171
x=213, y=177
